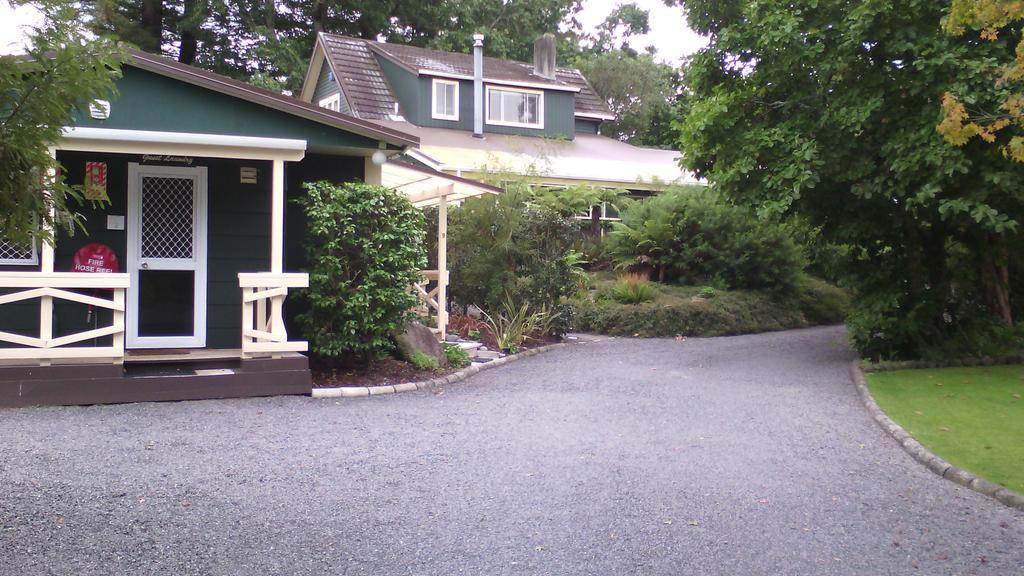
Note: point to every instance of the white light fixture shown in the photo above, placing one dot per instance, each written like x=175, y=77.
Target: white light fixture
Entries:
x=379, y=157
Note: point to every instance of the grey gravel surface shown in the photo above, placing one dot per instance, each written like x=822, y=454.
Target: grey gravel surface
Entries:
x=732, y=456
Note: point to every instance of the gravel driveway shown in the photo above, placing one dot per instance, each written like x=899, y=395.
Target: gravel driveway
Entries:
x=733, y=456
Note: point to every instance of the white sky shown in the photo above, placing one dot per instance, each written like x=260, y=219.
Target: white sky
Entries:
x=668, y=27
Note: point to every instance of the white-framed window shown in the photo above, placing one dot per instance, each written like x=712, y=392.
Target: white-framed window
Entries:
x=332, y=102
x=515, y=107
x=13, y=254
x=606, y=212
x=445, y=99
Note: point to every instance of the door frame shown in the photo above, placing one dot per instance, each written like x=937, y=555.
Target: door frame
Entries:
x=199, y=256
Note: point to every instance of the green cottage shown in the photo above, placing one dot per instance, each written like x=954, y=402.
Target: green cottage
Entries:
x=186, y=271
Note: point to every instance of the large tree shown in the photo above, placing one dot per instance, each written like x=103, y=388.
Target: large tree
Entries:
x=62, y=73
x=829, y=110
x=640, y=90
x=273, y=38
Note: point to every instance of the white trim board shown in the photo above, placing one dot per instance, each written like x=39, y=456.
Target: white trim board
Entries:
x=119, y=141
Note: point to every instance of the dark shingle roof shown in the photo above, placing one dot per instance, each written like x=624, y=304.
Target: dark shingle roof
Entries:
x=361, y=79
x=370, y=96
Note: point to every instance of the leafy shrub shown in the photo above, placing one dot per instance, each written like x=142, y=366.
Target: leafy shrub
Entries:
x=423, y=361
x=365, y=249
x=730, y=312
x=693, y=236
x=707, y=292
x=457, y=357
x=633, y=288
x=501, y=247
x=512, y=324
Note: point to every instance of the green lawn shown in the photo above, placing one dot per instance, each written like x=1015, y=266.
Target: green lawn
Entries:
x=972, y=417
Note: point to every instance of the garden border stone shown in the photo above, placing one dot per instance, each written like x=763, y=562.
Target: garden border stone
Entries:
x=356, y=391
x=925, y=456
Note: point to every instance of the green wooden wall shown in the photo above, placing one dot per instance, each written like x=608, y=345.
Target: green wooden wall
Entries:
x=406, y=88
x=414, y=95
x=587, y=126
x=326, y=86
x=148, y=101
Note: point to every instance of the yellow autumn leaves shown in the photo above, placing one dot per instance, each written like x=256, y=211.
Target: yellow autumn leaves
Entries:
x=958, y=125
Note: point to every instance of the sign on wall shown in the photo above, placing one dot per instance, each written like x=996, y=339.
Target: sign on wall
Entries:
x=95, y=181
x=96, y=258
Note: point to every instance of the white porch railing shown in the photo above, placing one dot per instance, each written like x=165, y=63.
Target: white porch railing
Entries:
x=49, y=285
x=263, y=329
x=433, y=303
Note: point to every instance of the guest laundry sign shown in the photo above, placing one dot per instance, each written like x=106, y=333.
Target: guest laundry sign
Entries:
x=95, y=181
x=187, y=160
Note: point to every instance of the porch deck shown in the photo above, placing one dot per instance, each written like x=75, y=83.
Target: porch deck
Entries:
x=164, y=375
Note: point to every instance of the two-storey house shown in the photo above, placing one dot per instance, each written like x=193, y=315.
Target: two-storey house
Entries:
x=476, y=115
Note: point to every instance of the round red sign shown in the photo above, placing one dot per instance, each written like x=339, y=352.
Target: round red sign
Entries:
x=94, y=257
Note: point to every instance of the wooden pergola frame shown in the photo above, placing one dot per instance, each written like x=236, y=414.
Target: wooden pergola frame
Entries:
x=426, y=188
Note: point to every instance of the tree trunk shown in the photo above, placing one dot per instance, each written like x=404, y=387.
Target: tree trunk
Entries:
x=995, y=276
x=595, y=221
x=319, y=15
x=270, y=12
x=187, y=28
x=152, y=25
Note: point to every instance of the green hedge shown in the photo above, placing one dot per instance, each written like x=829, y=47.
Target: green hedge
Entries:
x=676, y=312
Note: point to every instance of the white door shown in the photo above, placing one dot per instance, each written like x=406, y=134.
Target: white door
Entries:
x=166, y=257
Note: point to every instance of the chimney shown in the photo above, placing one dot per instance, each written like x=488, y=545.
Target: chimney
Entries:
x=478, y=85
x=544, y=53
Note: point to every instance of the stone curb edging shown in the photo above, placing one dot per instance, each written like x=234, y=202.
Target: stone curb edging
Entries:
x=354, y=391
x=925, y=456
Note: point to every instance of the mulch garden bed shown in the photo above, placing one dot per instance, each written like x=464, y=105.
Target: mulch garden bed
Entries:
x=388, y=371
x=384, y=372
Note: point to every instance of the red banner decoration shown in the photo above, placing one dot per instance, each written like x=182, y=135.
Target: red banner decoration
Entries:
x=94, y=257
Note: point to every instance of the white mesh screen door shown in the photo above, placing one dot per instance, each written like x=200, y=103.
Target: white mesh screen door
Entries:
x=166, y=257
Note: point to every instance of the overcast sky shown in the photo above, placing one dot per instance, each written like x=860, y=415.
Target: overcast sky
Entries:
x=668, y=27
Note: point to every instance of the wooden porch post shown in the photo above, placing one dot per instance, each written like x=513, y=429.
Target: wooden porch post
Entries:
x=442, y=261
x=277, y=219
x=276, y=253
x=46, y=263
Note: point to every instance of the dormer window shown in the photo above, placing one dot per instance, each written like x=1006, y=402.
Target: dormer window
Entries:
x=445, y=100
x=332, y=102
x=515, y=107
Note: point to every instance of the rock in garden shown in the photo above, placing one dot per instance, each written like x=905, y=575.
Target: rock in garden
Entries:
x=419, y=338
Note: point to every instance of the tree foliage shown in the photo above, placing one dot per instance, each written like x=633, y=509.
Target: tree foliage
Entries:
x=272, y=39
x=503, y=248
x=41, y=92
x=365, y=248
x=640, y=92
x=691, y=235
x=993, y=113
x=828, y=110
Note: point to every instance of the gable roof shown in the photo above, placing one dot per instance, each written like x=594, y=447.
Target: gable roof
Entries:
x=364, y=85
x=287, y=104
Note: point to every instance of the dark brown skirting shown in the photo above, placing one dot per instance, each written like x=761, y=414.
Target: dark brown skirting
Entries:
x=110, y=384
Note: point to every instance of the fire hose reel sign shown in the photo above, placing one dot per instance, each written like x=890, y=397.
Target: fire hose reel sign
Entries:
x=95, y=258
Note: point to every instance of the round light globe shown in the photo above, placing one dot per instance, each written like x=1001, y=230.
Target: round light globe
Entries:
x=379, y=157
